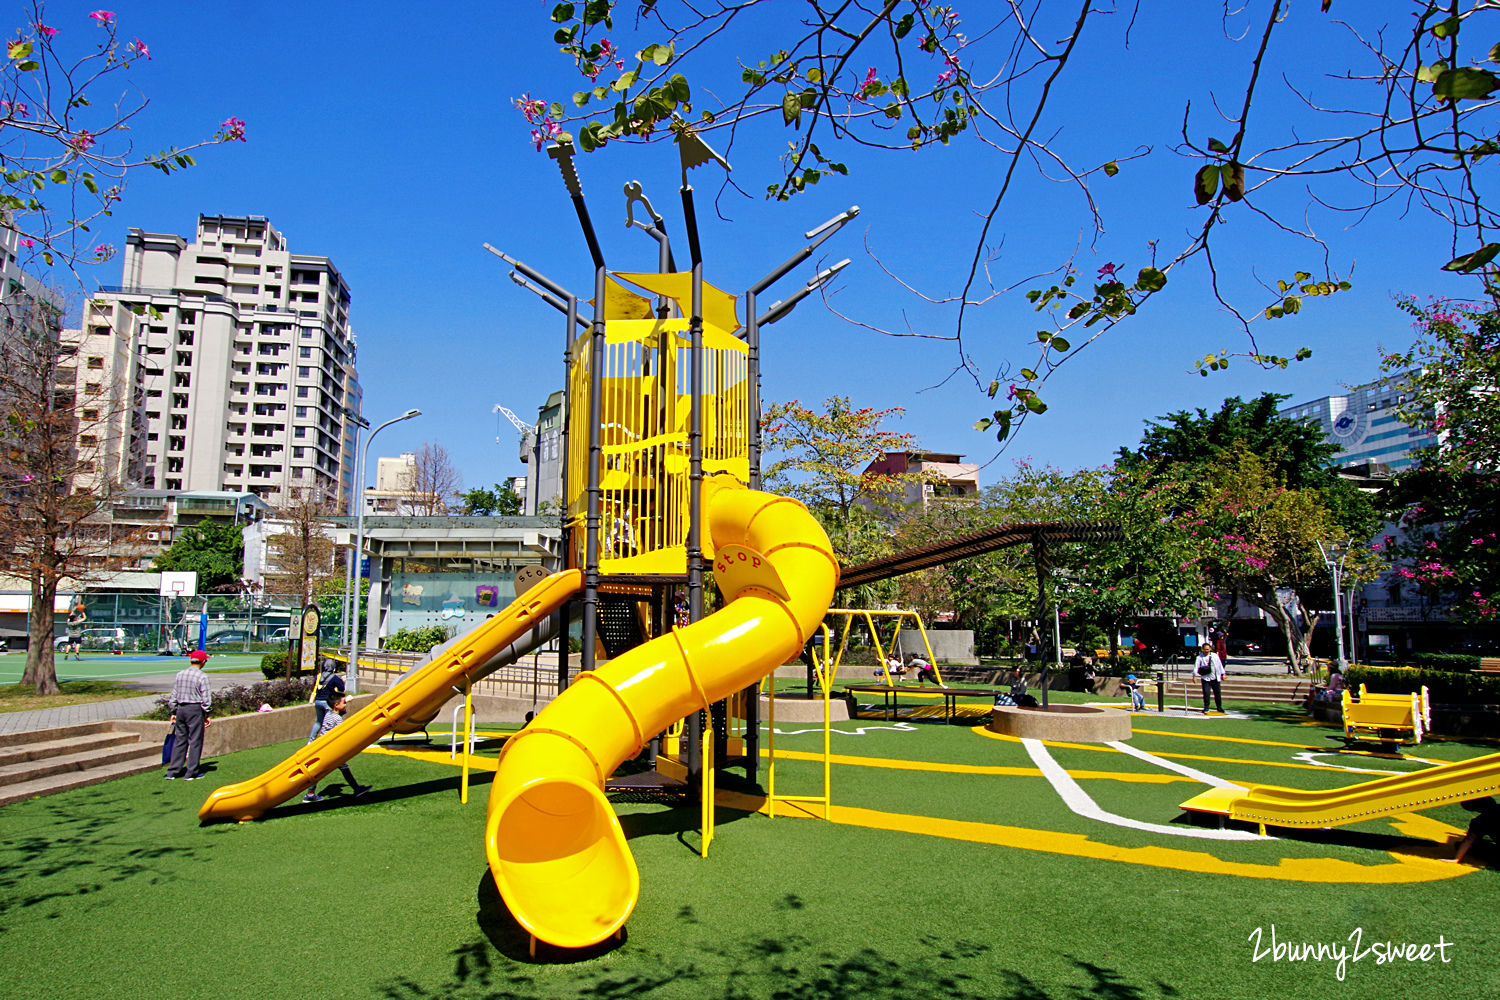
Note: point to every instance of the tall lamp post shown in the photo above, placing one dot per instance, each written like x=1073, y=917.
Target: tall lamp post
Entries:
x=355, y=501
x=358, y=645
x=1333, y=557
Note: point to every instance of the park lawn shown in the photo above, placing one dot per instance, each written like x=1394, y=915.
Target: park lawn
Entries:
x=23, y=697
x=389, y=896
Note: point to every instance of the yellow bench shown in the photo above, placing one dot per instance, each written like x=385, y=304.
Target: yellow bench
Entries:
x=1387, y=716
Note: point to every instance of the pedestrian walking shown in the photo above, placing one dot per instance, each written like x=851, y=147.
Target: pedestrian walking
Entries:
x=190, y=699
x=1209, y=670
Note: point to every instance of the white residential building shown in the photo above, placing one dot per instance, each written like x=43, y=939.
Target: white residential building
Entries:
x=244, y=358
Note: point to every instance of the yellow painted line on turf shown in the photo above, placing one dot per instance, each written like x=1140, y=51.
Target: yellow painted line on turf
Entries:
x=1405, y=867
x=1170, y=756
x=437, y=757
x=1274, y=743
x=988, y=769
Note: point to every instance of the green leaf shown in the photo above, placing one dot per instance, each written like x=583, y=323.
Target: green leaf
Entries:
x=1111, y=168
x=1234, y=180
x=59, y=176
x=814, y=75
x=18, y=49
x=1215, y=146
x=983, y=424
x=1429, y=74
x=1464, y=83
x=1151, y=279
x=562, y=12
x=1061, y=344
x=678, y=89
x=1473, y=261
x=1495, y=53
x=580, y=98
x=791, y=107
x=626, y=80
x=1078, y=310
x=1206, y=183
x=905, y=24
x=28, y=66
x=89, y=185
x=1028, y=375
x=1446, y=29
x=1035, y=405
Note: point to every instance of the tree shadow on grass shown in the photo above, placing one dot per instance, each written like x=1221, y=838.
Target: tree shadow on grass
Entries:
x=498, y=966
x=79, y=850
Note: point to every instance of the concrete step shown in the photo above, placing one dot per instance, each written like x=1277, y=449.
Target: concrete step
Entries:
x=55, y=783
x=54, y=733
x=87, y=760
x=58, y=746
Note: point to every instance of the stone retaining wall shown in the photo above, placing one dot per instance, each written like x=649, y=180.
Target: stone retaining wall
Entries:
x=241, y=732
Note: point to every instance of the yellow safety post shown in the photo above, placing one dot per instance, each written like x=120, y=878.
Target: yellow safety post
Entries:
x=463, y=781
x=708, y=791
x=825, y=683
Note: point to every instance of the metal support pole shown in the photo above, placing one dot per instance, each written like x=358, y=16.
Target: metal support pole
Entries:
x=352, y=684
x=351, y=582
x=695, y=463
x=566, y=500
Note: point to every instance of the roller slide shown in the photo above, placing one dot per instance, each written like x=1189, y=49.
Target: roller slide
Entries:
x=554, y=843
x=407, y=706
x=1291, y=807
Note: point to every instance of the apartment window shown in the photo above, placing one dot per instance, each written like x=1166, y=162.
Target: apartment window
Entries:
x=303, y=371
x=87, y=465
x=89, y=440
x=91, y=414
x=96, y=362
x=297, y=452
x=189, y=318
x=302, y=393
x=182, y=380
x=304, y=352
x=300, y=432
x=306, y=333
x=92, y=387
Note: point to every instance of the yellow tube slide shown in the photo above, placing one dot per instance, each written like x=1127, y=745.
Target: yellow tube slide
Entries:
x=1294, y=807
x=413, y=701
x=554, y=843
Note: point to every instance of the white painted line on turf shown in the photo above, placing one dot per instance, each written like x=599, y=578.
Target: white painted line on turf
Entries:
x=899, y=727
x=1311, y=757
x=1172, y=765
x=1076, y=799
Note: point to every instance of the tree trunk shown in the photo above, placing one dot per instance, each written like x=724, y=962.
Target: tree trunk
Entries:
x=1296, y=640
x=41, y=670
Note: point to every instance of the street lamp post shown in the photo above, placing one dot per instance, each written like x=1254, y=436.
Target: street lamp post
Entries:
x=358, y=645
x=1333, y=557
x=345, y=635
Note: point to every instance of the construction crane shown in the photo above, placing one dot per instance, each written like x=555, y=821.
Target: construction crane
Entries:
x=527, y=431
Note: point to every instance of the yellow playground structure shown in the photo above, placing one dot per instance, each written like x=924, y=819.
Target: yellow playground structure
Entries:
x=1389, y=718
x=661, y=440
x=868, y=617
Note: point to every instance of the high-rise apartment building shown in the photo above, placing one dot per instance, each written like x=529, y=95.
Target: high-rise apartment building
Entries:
x=244, y=363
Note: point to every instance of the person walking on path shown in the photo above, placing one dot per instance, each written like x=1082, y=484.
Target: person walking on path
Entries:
x=330, y=685
x=190, y=700
x=1209, y=670
x=337, y=706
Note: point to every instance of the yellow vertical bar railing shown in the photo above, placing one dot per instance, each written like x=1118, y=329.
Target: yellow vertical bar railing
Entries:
x=463, y=780
x=709, y=784
x=822, y=669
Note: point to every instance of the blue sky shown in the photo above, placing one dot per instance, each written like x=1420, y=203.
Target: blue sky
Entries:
x=382, y=135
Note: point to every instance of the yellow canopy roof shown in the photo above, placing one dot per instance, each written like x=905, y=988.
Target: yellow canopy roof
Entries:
x=719, y=307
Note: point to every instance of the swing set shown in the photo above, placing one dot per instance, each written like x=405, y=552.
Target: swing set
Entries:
x=851, y=616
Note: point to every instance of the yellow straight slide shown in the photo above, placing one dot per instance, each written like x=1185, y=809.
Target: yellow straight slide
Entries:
x=1292, y=807
x=554, y=844
x=411, y=702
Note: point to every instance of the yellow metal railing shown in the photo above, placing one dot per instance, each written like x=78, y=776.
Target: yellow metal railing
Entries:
x=823, y=670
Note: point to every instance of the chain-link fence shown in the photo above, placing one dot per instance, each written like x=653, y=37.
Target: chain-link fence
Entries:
x=135, y=622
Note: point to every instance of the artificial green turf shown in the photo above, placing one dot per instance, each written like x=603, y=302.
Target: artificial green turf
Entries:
x=116, y=891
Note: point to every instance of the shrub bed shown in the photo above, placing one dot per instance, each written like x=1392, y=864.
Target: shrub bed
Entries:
x=1444, y=686
x=1444, y=661
x=243, y=698
x=416, y=640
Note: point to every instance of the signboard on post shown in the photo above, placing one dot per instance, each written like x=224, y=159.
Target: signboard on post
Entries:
x=307, y=639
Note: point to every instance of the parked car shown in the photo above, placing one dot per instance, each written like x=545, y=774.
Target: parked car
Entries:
x=1244, y=647
x=230, y=637
x=95, y=638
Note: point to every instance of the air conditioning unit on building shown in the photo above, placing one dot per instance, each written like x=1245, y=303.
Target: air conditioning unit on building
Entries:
x=154, y=536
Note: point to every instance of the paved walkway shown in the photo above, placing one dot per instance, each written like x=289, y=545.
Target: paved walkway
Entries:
x=119, y=708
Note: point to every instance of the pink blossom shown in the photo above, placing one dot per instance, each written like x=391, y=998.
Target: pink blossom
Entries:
x=139, y=48
x=45, y=31
x=16, y=109
x=28, y=243
x=103, y=250
x=944, y=77
x=867, y=85
x=104, y=17
x=1107, y=271
x=82, y=141
x=234, y=130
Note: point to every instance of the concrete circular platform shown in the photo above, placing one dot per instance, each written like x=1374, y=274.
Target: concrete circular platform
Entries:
x=800, y=708
x=1080, y=723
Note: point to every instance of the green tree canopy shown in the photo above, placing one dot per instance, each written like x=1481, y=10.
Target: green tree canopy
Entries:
x=499, y=501
x=216, y=552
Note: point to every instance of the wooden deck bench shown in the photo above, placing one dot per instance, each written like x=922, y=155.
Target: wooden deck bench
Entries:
x=1387, y=717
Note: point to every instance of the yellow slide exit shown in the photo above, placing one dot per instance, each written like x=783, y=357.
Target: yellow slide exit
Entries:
x=554, y=844
x=408, y=704
x=1294, y=807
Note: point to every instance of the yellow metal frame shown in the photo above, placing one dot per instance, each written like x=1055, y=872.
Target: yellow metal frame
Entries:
x=869, y=616
x=825, y=684
x=710, y=783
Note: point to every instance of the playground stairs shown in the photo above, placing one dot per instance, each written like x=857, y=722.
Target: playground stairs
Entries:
x=46, y=761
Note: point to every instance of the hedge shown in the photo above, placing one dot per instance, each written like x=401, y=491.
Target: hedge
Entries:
x=240, y=699
x=1445, y=687
x=1444, y=661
